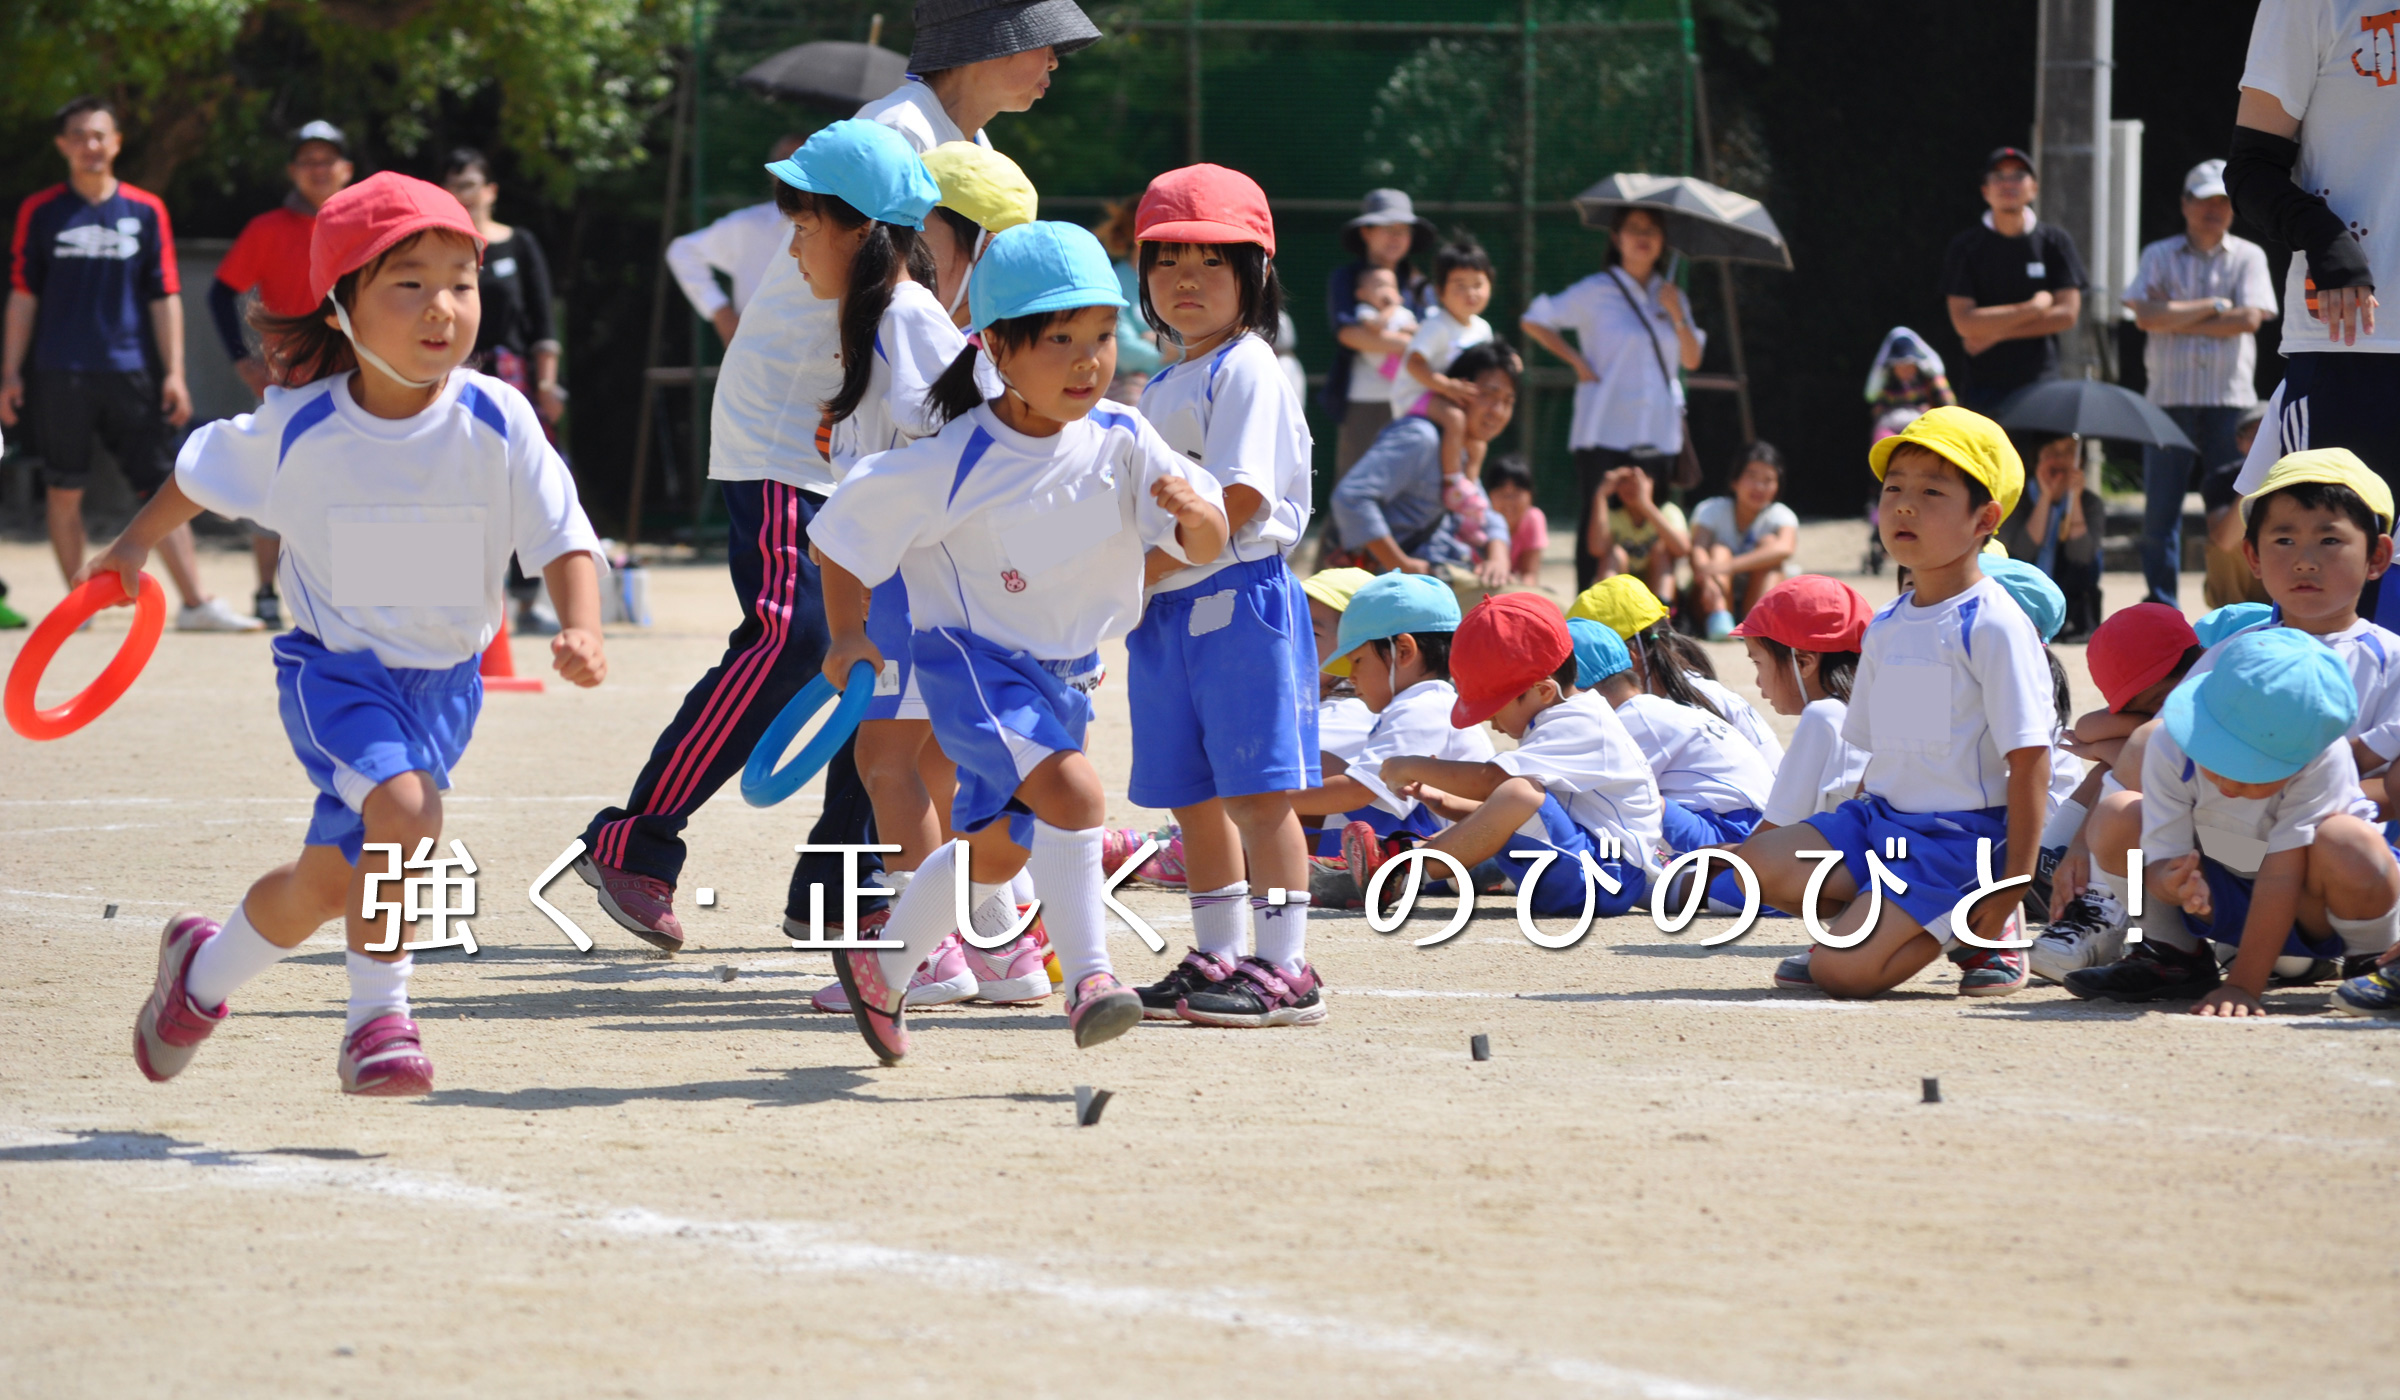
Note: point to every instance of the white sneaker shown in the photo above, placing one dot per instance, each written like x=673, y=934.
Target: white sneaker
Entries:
x=216, y=615
x=2089, y=932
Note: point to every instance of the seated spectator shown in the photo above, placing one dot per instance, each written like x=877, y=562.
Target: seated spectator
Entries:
x=2056, y=528
x=1742, y=541
x=1638, y=534
x=2230, y=578
x=1508, y=485
x=1388, y=512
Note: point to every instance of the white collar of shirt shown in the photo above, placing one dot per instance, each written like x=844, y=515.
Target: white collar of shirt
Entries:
x=2030, y=222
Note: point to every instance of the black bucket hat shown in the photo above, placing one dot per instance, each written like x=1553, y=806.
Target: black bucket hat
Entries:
x=955, y=33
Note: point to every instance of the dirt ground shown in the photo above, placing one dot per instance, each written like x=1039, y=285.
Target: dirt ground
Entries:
x=640, y=1179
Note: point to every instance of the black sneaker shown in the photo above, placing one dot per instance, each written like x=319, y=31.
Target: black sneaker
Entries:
x=1259, y=994
x=269, y=608
x=2037, y=895
x=2152, y=971
x=1197, y=970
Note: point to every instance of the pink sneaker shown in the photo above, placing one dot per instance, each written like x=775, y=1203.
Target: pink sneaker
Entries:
x=1013, y=974
x=1101, y=1008
x=1164, y=867
x=384, y=1059
x=940, y=980
x=879, y=1009
x=169, y=1028
x=641, y=905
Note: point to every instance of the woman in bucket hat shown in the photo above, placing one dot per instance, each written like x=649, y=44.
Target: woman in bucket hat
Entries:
x=973, y=60
x=1387, y=233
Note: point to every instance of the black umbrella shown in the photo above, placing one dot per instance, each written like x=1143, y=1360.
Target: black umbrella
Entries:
x=2090, y=408
x=1701, y=220
x=837, y=74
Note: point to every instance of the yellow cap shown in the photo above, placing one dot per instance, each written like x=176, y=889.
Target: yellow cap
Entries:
x=982, y=184
x=1968, y=441
x=2335, y=466
x=1993, y=546
x=1623, y=604
x=1333, y=588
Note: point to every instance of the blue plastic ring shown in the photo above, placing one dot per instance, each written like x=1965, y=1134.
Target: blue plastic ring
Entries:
x=764, y=784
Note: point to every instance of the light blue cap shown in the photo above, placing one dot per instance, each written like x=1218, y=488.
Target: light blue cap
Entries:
x=1392, y=604
x=2032, y=589
x=2214, y=627
x=869, y=167
x=1045, y=266
x=2275, y=699
x=1599, y=652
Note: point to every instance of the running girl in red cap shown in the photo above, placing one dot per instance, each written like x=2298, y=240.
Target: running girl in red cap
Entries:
x=400, y=484
x=1224, y=665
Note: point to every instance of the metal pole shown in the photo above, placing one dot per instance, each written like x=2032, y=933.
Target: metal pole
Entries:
x=1191, y=82
x=699, y=220
x=2070, y=148
x=1733, y=311
x=1528, y=428
x=658, y=313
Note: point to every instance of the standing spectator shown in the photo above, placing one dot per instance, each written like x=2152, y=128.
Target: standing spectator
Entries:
x=742, y=245
x=1631, y=327
x=1358, y=396
x=2312, y=166
x=272, y=256
x=94, y=315
x=1743, y=541
x=2013, y=283
x=2056, y=528
x=2201, y=296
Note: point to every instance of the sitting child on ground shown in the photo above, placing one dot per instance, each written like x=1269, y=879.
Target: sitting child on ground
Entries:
x=1628, y=608
x=1742, y=541
x=1714, y=784
x=1508, y=484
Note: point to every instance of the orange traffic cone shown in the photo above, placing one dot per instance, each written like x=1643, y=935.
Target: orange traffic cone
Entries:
x=499, y=669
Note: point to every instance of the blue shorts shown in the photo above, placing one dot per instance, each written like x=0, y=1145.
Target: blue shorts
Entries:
x=356, y=723
x=998, y=713
x=1420, y=821
x=888, y=629
x=2229, y=909
x=1690, y=828
x=1940, y=866
x=1559, y=893
x=1224, y=688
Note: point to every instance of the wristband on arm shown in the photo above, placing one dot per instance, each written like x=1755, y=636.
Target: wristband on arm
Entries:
x=2258, y=173
x=225, y=309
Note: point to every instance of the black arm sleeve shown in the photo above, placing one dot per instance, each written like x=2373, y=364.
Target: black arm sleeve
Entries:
x=225, y=308
x=540, y=329
x=2258, y=173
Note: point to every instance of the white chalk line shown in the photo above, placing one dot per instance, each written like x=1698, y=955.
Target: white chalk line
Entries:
x=811, y=1248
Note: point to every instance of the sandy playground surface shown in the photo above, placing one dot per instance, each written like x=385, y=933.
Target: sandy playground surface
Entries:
x=638, y=1179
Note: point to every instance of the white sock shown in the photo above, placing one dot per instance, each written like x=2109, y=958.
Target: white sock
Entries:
x=2064, y=823
x=2163, y=922
x=1218, y=919
x=1020, y=889
x=2361, y=936
x=377, y=988
x=228, y=960
x=1066, y=867
x=924, y=915
x=1281, y=930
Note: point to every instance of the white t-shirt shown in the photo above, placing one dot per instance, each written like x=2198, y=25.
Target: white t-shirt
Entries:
x=741, y=245
x=2335, y=66
x=1234, y=413
x=1742, y=715
x=1343, y=724
x=1819, y=772
x=912, y=110
x=1944, y=694
x=1368, y=382
x=1630, y=405
x=1698, y=759
x=396, y=532
x=915, y=342
x=1716, y=515
x=2182, y=810
x=1581, y=754
x=1032, y=543
x=2373, y=655
x=1416, y=723
x=1439, y=338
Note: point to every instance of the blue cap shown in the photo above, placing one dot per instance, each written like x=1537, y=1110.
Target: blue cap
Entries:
x=1392, y=604
x=2274, y=700
x=1045, y=266
x=869, y=167
x=2214, y=627
x=1599, y=652
x=2032, y=589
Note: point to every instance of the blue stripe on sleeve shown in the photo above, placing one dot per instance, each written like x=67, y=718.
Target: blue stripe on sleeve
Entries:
x=479, y=403
x=315, y=411
x=978, y=443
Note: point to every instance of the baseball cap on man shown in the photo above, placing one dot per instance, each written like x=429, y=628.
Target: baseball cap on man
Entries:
x=324, y=131
x=2333, y=466
x=1599, y=652
x=866, y=165
x=363, y=222
x=2205, y=180
x=1622, y=603
x=1205, y=204
x=1505, y=646
x=2136, y=648
x=983, y=184
x=2275, y=699
x=2002, y=155
x=1393, y=604
x=1968, y=441
x=1810, y=613
x=1037, y=267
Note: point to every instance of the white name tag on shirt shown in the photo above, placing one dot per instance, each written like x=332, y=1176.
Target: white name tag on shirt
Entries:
x=2037, y=271
x=407, y=564
x=2237, y=851
x=1911, y=705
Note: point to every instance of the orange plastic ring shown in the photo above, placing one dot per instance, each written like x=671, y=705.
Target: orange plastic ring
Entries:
x=104, y=590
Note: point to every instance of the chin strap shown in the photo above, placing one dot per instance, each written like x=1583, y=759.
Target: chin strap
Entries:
x=369, y=357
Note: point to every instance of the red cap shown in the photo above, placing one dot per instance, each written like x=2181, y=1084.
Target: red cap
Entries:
x=1502, y=647
x=362, y=222
x=2136, y=649
x=1205, y=204
x=1810, y=613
